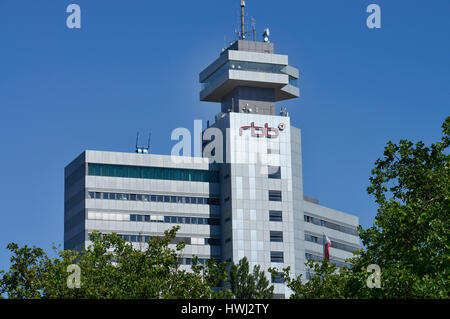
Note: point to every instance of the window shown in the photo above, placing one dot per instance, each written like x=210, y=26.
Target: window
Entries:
x=323, y=223
x=132, y=196
x=274, y=172
x=275, y=216
x=276, y=236
x=275, y=196
x=276, y=256
x=98, y=195
x=133, y=217
x=166, y=199
x=160, y=198
x=112, y=195
x=187, y=220
x=153, y=173
x=167, y=219
x=139, y=197
x=277, y=278
x=193, y=200
x=147, y=218
x=180, y=220
x=200, y=221
x=133, y=238
x=187, y=200
x=194, y=220
x=91, y=195
x=173, y=220
x=307, y=219
x=188, y=261
x=139, y=218
x=153, y=198
x=179, y=199
x=173, y=199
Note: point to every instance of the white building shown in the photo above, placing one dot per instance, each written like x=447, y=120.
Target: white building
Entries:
x=250, y=204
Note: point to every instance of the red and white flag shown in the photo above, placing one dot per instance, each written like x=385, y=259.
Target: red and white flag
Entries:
x=326, y=247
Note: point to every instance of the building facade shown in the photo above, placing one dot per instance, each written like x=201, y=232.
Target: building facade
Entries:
x=244, y=198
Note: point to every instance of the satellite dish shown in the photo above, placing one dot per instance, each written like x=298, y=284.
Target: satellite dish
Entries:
x=266, y=35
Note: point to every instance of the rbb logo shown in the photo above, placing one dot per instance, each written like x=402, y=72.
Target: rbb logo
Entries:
x=261, y=131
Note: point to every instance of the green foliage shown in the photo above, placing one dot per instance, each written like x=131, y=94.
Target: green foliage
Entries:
x=112, y=268
x=246, y=285
x=410, y=236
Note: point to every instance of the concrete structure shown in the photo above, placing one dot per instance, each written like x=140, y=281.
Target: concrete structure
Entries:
x=248, y=203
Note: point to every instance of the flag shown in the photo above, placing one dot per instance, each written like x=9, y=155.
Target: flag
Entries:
x=326, y=247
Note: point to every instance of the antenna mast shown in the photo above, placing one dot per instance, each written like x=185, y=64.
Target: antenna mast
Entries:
x=242, y=20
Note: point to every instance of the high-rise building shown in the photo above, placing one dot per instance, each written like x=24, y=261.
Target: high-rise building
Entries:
x=243, y=198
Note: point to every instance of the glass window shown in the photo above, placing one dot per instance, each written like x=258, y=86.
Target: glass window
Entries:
x=125, y=197
x=145, y=198
x=187, y=220
x=194, y=220
x=133, y=217
x=200, y=200
x=173, y=199
x=166, y=219
x=132, y=196
x=200, y=221
x=173, y=219
x=160, y=198
x=276, y=256
x=276, y=236
x=147, y=218
x=133, y=238
x=180, y=220
x=179, y=199
x=139, y=197
x=112, y=195
x=274, y=172
x=166, y=199
x=147, y=239
x=188, y=261
x=187, y=200
x=91, y=194
x=153, y=198
x=98, y=195
x=126, y=237
x=139, y=218
x=193, y=200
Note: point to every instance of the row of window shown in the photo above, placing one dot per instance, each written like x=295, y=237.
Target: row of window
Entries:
x=324, y=223
x=275, y=216
x=175, y=219
x=189, y=261
x=155, y=198
x=161, y=173
x=187, y=240
x=334, y=244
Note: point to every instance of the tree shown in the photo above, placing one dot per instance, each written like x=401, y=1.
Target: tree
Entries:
x=246, y=285
x=410, y=238
x=112, y=268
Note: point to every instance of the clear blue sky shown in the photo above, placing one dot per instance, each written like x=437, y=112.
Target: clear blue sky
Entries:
x=134, y=66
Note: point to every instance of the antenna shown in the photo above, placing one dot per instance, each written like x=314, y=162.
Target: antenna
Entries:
x=242, y=20
x=142, y=149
